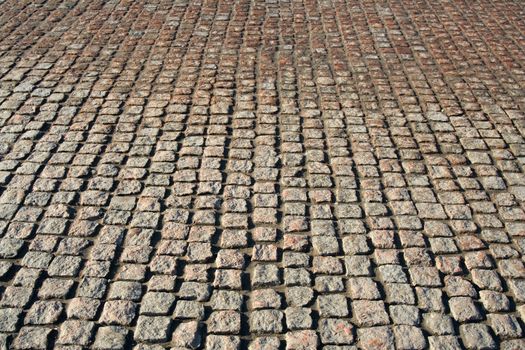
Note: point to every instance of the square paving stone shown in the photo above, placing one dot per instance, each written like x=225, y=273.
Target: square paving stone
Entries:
x=110, y=337
x=44, y=312
x=333, y=305
x=266, y=321
x=220, y=342
x=370, y=313
x=32, y=338
x=224, y=322
x=336, y=331
x=477, y=336
x=152, y=329
x=9, y=319
x=298, y=318
x=375, y=338
x=187, y=335
x=119, y=312
x=75, y=332
x=302, y=340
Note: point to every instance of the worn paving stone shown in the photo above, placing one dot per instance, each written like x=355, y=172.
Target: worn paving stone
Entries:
x=9, y=319
x=254, y=174
x=157, y=303
x=216, y=342
x=75, y=332
x=375, y=338
x=477, y=336
x=120, y=312
x=370, y=313
x=302, y=340
x=409, y=337
x=32, y=338
x=152, y=329
x=110, y=337
x=228, y=322
x=335, y=331
x=187, y=335
x=266, y=321
x=44, y=312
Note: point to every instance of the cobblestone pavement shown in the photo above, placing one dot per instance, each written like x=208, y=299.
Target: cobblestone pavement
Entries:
x=236, y=174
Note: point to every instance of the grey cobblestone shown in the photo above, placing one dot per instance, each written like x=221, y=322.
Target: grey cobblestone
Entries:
x=250, y=174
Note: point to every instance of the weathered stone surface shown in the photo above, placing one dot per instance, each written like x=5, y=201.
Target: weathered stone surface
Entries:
x=187, y=335
x=370, y=313
x=477, y=336
x=83, y=308
x=262, y=174
x=409, y=337
x=32, y=338
x=157, y=303
x=302, y=340
x=266, y=321
x=110, y=337
x=9, y=319
x=44, y=312
x=76, y=332
x=332, y=305
x=217, y=342
x=228, y=322
x=152, y=329
x=118, y=312
x=335, y=331
x=375, y=338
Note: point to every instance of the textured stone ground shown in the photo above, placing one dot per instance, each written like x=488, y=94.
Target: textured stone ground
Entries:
x=299, y=174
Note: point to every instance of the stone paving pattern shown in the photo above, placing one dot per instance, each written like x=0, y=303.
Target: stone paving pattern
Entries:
x=235, y=174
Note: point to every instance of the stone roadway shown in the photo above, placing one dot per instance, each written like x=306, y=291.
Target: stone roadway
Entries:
x=236, y=174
